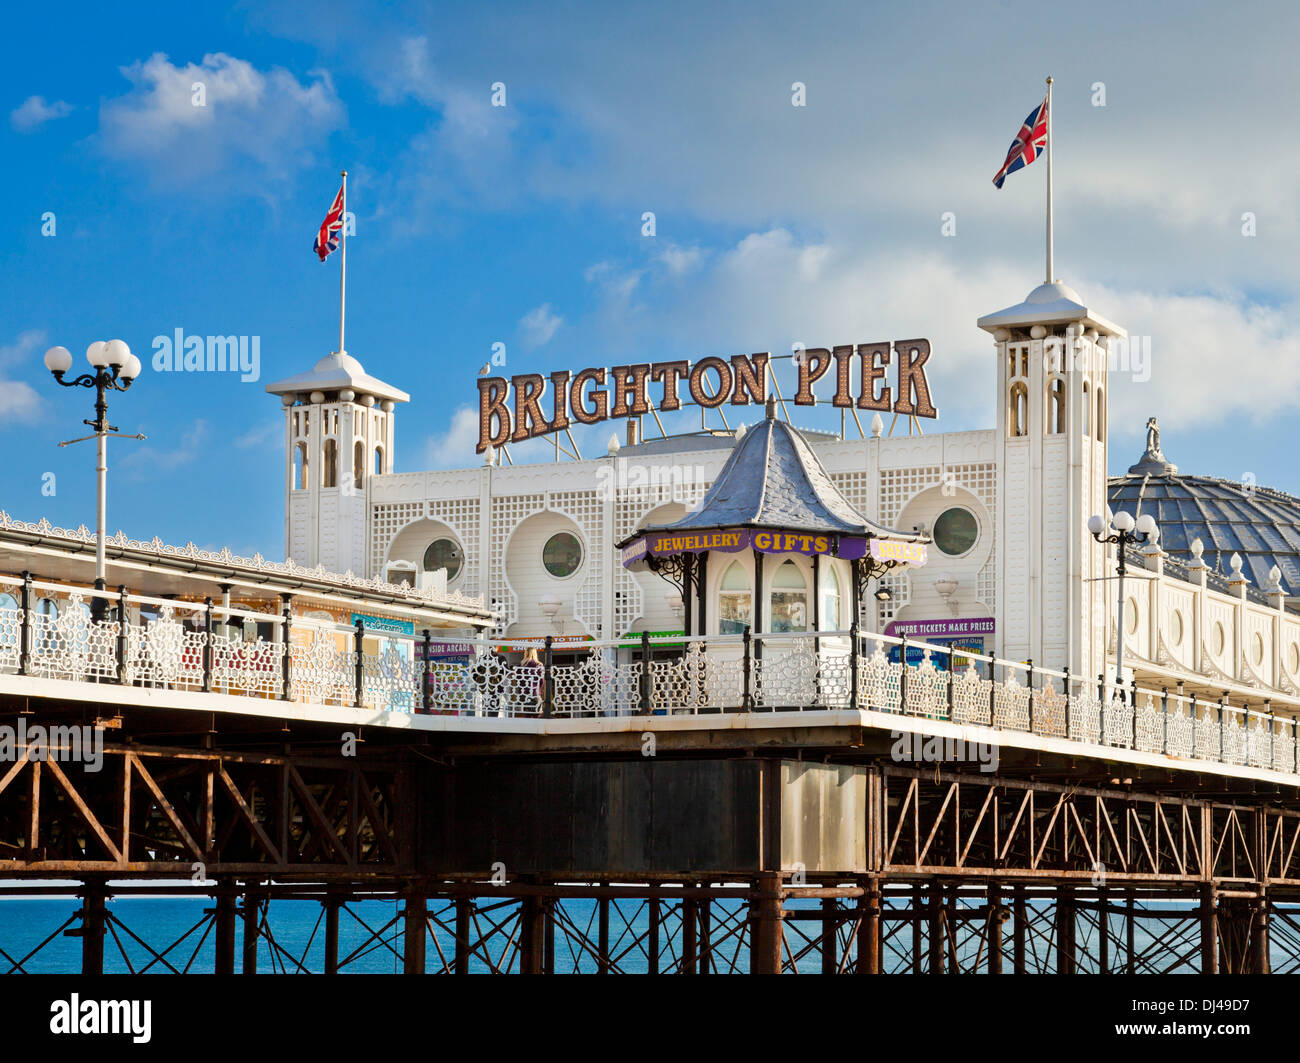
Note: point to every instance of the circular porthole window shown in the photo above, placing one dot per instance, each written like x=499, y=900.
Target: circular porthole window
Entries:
x=956, y=531
x=1176, y=628
x=1131, y=616
x=1220, y=640
x=444, y=553
x=1293, y=658
x=562, y=555
x=1257, y=648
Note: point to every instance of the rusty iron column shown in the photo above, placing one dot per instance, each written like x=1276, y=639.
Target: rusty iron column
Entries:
x=1130, y=946
x=414, y=916
x=333, y=902
x=765, y=911
x=224, y=928
x=94, y=921
x=706, y=935
x=602, y=946
x=829, y=936
x=652, y=936
x=936, y=936
x=1259, y=962
x=1018, y=931
x=1209, y=932
x=869, y=931
x=1103, y=932
x=1065, y=930
x=252, y=914
x=462, y=935
x=690, y=927
x=532, y=935
x=996, y=916
x=918, y=950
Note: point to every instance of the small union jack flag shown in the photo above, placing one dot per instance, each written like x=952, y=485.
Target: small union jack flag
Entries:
x=327, y=239
x=1030, y=142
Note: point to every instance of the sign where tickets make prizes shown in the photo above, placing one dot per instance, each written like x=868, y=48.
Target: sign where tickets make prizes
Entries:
x=733, y=540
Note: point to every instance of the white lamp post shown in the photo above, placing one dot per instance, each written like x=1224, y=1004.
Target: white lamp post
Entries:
x=115, y=368
x=1125, y=531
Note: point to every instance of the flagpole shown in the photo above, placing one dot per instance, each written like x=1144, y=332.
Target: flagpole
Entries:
x=1051, y=151
x=343, y=247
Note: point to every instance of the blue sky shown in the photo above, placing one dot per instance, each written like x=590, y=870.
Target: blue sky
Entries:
x=522, y=224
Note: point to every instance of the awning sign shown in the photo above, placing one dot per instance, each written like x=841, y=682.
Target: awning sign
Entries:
x=730, y=541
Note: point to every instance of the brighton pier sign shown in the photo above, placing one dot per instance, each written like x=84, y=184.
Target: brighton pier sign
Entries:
x=513, y=410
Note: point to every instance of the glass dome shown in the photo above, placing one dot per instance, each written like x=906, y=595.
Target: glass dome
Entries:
x=1228, y=516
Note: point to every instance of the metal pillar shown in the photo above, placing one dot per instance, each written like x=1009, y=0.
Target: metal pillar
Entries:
x=332, y=905
x=252, y=914
x=1065, y=930
x=996, y=916
x=869, y=932
x=225, y=928
x=462, y=935
x=765, y=916
x=413, y=932
x=94, y=918
x=1018, y=931
x=1209, y=932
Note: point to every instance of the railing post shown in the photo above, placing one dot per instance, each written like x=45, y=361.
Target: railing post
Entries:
x=207, y=645
x=121, y=635
x=645, y=673
x=1221, y=706
x=1272, y=726
x=952, y=676
x=1065, y=686
x=993, y=697
x=286, y=664
x=1195, y=724
x=1134, y=699
x=747, y=699
x=1029, y=678
x=358, y=665
x=25, y=630
x=548, y=690
x=424, y=675
x=853, y=663
x=1164, y=719
x=902, y=676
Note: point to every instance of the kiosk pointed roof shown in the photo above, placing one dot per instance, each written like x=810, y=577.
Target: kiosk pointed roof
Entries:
x=772, y=479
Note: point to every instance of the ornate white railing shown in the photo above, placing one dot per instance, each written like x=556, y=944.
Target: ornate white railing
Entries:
x=194, y=647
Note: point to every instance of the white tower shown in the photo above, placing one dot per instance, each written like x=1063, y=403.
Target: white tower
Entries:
x=1051, y=455
x=338, y=434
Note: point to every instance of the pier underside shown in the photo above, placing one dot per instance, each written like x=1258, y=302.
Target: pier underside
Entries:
x=801, y=846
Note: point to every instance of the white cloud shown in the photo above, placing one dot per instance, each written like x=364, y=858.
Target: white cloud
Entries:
x=539, y=325
x=189, y=121
x=34, y=112
x=20, y=403
x=144, y=460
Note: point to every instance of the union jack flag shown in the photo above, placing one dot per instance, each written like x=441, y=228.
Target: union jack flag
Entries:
x=1030, y=142
x=327, y=239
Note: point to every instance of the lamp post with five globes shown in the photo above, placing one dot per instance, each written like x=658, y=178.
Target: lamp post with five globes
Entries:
x=1123, y=530
x=115, y=368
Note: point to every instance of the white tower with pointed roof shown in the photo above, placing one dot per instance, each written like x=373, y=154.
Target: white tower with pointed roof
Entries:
x=338, y=434
x=1051, y=453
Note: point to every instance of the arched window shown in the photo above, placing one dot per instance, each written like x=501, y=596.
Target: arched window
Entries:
x=830, y=592
x=1056, y=406
x=1018, y=410
x=379, y=460
x=330, y=466
x=300, y=467
x=789, y=599
x=358, y=463
x=735, y=600
x=1086, y=410
x=1101, y=415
